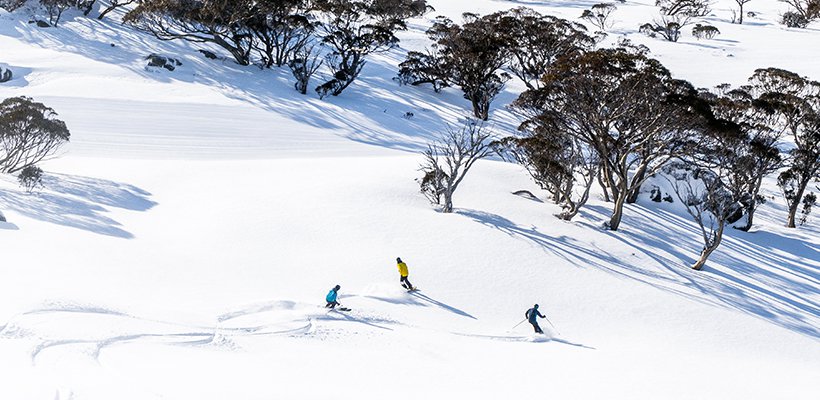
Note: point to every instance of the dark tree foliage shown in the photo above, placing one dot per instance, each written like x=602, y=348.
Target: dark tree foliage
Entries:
x=557, y=162
x=755, y=145
x=29, y=133
x=621, y=104
x=796, y=100
x=430, y=67
x=11, y=5
x=221, y=22
x=280, y=28
x=803, y=10
x=705, y=31
x=304, y=63
x=535, y=41
x=354, y=29
x=30, y=178
x=472, y=55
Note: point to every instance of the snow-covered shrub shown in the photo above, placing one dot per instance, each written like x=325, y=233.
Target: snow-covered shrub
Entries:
x=794, y=20
x=29, y=133
x=448, y=160
x=56, y=8
x=598, y=15
x=668, y=27
x=303, y=65
x=809, y=200
x=11, y=5
x=705, y=31
x=30, y=178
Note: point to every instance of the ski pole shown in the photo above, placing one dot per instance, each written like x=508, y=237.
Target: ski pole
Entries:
x=516, y=325
x=553, y=326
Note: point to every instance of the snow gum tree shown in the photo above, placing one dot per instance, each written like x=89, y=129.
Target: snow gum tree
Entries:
x=280, y=29
x=352, y=30
x=558, y=163
x=757, y=149
x=796, y=100
x=470, y=56
x=448, y=160
x=622, y=105
x=29, y=133
x=535, y=41
x=707, y=200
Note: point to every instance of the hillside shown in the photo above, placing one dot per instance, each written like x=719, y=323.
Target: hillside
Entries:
x=185, y=238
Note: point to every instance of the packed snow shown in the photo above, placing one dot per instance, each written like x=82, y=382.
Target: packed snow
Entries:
x=184, y=240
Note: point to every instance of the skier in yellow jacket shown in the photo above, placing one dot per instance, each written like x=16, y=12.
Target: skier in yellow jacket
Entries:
x=403, y=272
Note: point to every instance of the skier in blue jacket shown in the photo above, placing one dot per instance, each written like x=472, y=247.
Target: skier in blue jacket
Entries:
x=331, y=297
x=531, y=315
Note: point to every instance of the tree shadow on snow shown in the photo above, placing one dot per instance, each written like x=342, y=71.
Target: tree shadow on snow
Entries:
x=79, y=202
x=374, y=110
x=775, y=281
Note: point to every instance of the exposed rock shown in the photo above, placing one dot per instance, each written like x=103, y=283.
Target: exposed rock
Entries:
x=527, y=195
x=655, y=194
x=208, y=54
x=40, y=23
x=5, y=75
x=2, y=217
x=156, y=60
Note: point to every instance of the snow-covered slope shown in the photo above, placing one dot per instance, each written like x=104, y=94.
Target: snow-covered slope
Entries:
x=184, y=242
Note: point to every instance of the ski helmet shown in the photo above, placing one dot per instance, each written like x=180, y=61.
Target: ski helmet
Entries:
x=337, y=287
x=398, y=259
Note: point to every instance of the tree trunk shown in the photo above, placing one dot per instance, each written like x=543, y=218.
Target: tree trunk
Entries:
x=448, y=202
x=618, y=211
x=741, y=14
x=603, y=186
x=709, y=248
x=635, y=191
x=795, y=203
x=704, y=255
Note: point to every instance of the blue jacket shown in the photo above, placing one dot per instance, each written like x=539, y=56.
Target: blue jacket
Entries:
x=531, y=314
x=331, y=296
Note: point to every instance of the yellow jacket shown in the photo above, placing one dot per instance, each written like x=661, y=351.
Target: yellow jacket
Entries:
x=403, y=269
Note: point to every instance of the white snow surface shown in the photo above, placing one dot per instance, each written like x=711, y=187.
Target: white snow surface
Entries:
x=184, y=240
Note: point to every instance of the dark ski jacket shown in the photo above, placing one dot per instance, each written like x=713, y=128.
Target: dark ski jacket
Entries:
x=532, y=313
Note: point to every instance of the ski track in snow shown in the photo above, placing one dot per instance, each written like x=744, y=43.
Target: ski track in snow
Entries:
x=46, y=326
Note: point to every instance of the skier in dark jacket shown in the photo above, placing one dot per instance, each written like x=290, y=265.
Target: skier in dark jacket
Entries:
x=331, y=297
x=531, y=315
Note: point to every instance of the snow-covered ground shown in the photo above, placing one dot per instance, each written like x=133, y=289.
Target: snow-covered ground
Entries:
x=184, y=241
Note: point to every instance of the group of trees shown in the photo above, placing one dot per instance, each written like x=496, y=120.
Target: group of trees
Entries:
x=616, y=116
x=55, y=8
x=285, y=32
x=300, y=34
x=29, y=133
x=484, y=52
